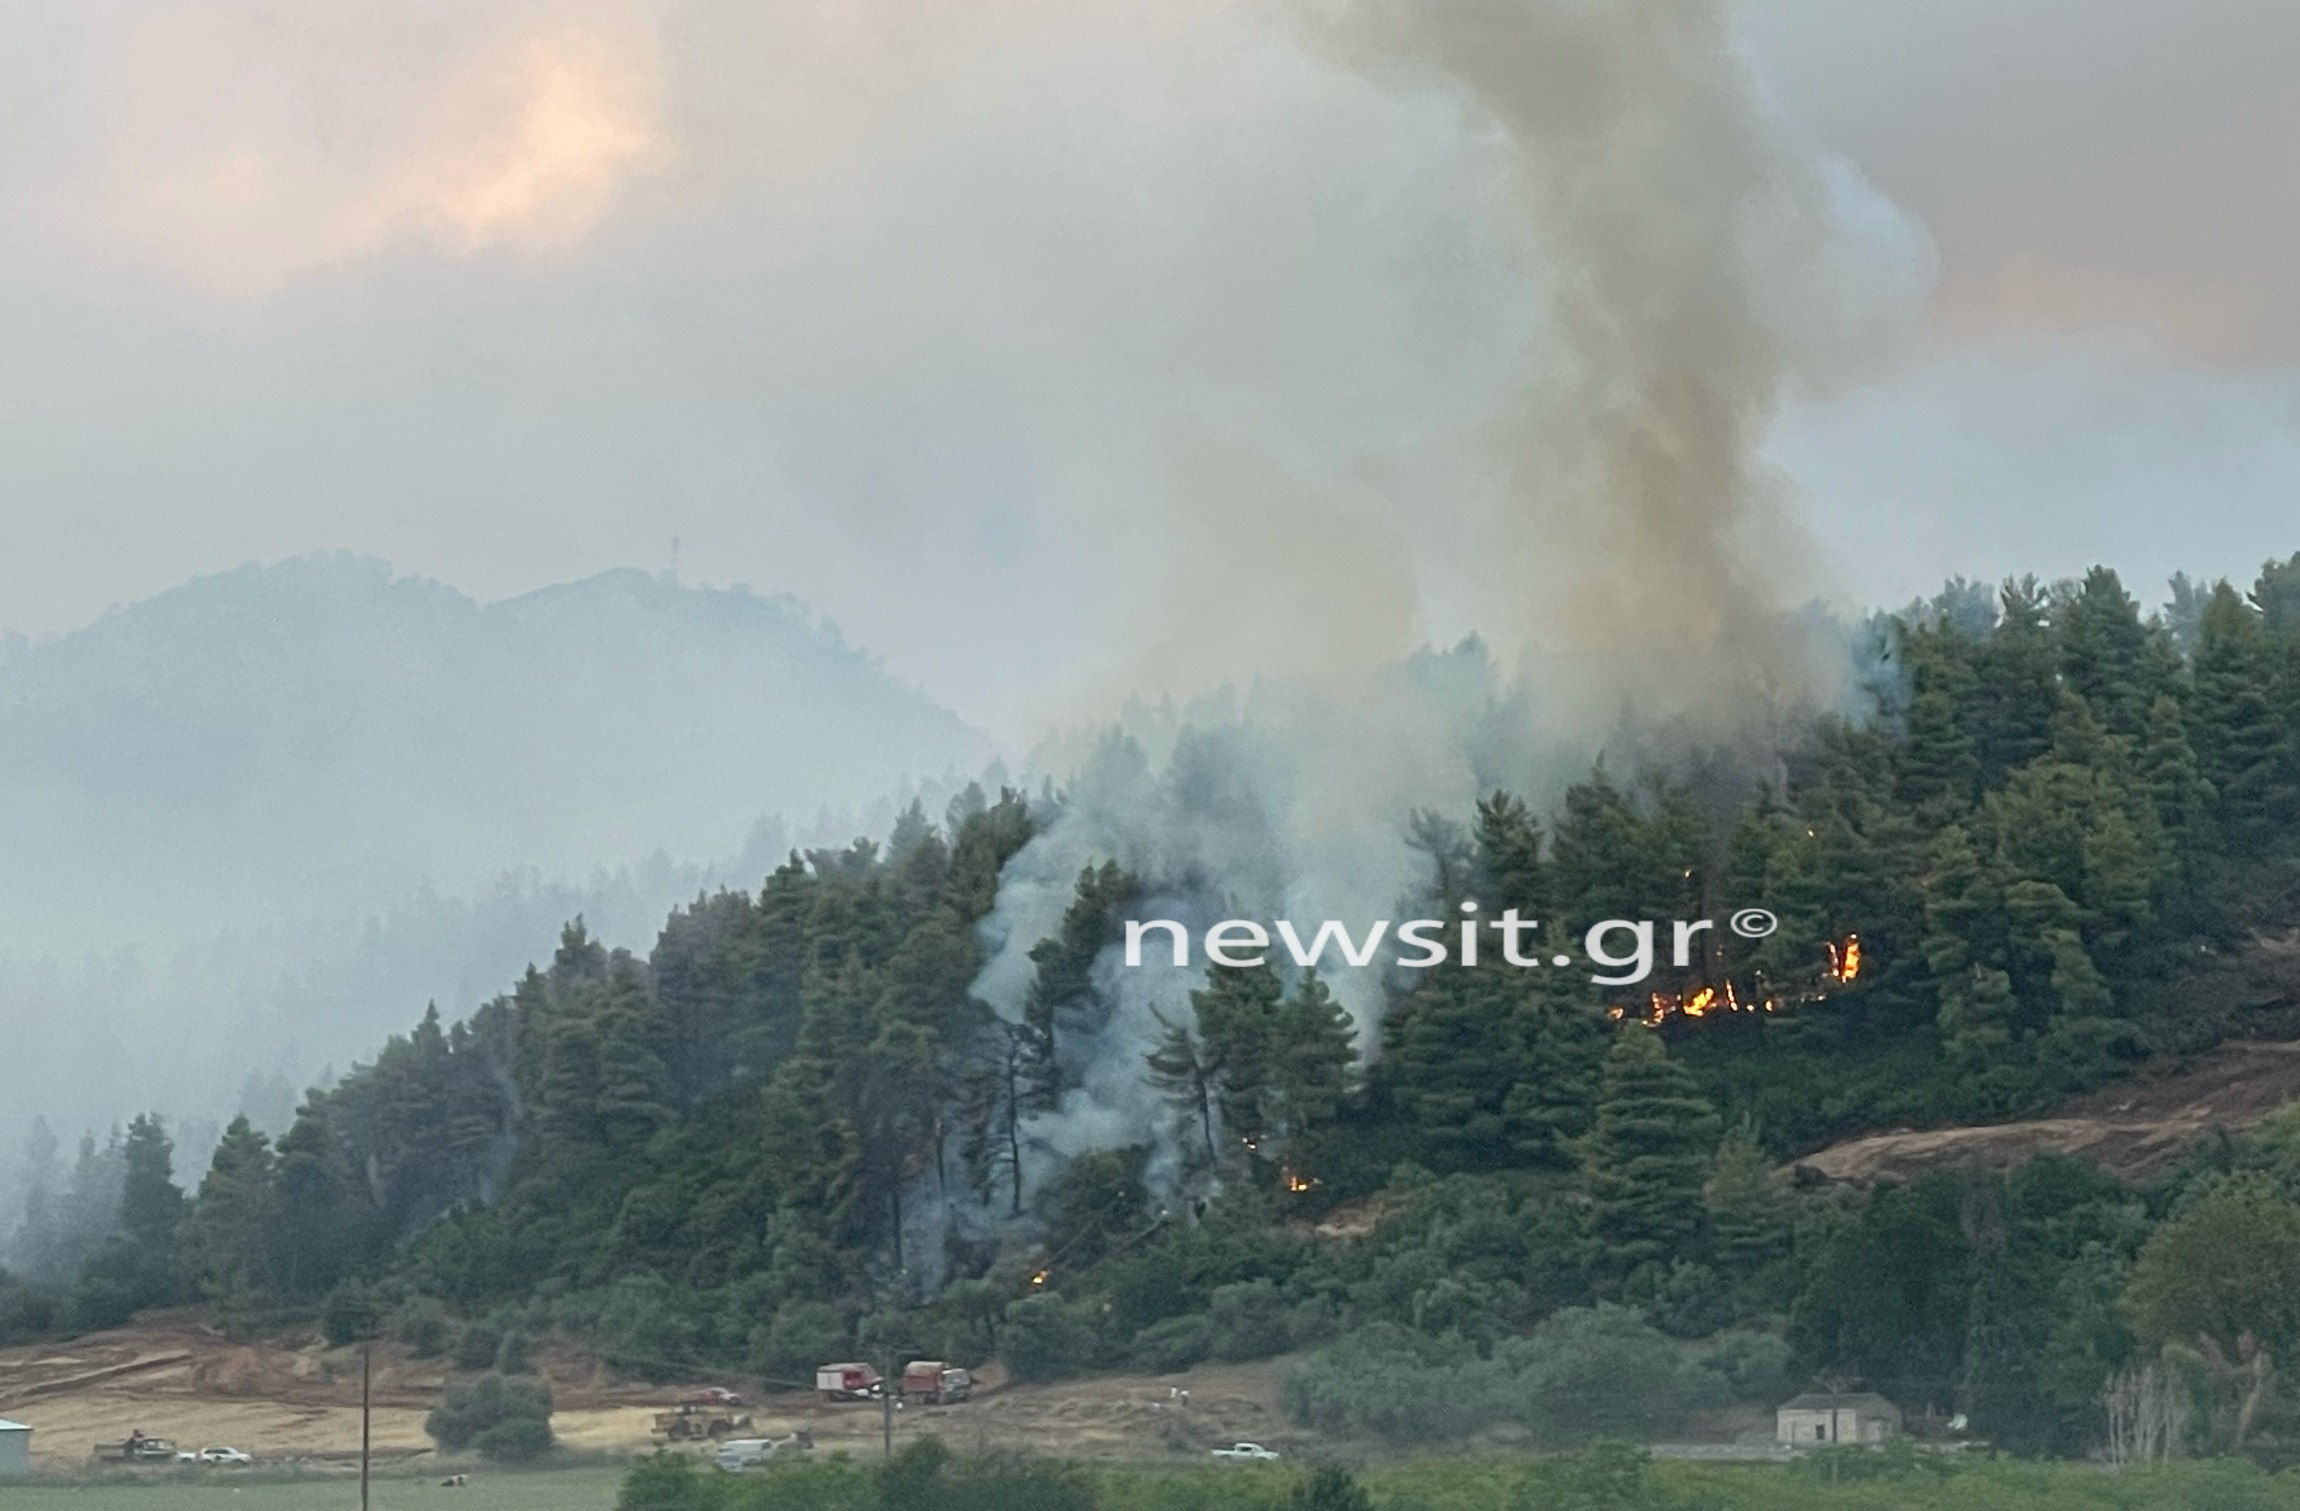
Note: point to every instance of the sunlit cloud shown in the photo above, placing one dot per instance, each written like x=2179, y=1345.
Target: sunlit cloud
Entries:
x=241, y=156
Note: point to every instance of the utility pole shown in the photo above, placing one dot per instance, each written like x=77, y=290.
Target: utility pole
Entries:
x=366, y=1374
x=887, y=1386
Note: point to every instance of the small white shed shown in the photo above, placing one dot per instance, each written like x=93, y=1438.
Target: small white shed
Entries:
x=1819, y=1418
x=15, y=1450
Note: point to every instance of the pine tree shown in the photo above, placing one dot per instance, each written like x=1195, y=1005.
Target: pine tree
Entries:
x=913, y=1073
x=2277, y=595
x=694, y=1015
x=2184, y=614
x=772, y=961
x=2050, y=952
x=2016, y=684
x=1937, y=765
x=631, y=1098
x=1238, y=1012
x=1749, y=1216
x=983, y=842
x=1647, y=1156
x=1851, y=865
x=1312, y=1053
x=566, y=1098
x=2102, y=648
x=222, y=1246
x=2120, y=879
x=319, y=1223
x=91, y=1207
x=1977, y=1017
x=39, y=1239
x=135, y=1268
x=2175, y=780
x=2079, y=990
x=996, y=1106
x=1062, y=996
x=1456, y=1052
x=918, y=862
x=151, y=1203
x=2241, y=748
x=1510, y=872
x=1597, y=856
x=1179, y=1069
x=808, y=1144
x=1557, y=1051
x=1675, y=850
x=2078, y=738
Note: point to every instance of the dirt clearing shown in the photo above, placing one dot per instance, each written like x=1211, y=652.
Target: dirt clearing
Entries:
x=295, y=1400
x=2135, y=1127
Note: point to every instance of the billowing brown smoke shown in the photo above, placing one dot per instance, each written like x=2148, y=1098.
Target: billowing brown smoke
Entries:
x=1690, y=262
x=1610, y=514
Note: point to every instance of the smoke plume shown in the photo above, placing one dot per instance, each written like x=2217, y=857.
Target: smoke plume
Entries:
x=1607, y=517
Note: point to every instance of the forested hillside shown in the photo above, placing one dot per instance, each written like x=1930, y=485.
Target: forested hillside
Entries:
x=791, y=1132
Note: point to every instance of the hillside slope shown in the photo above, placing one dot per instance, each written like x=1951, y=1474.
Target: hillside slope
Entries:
x=2134, y=1127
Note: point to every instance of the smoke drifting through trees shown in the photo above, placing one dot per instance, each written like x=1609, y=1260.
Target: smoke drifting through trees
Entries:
x=1388, y=323
x=1609, y=519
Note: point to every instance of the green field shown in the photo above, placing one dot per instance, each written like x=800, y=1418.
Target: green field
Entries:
x=1465, y=1483
x=489, y=1490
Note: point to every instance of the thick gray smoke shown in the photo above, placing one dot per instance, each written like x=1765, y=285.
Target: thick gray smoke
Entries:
x=1608, y=519
x=1263, y=343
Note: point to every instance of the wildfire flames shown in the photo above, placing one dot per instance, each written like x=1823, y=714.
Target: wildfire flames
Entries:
x=1039, y=1278
x=1842, y=968
x=1298, y=1182
x=1706, y=1002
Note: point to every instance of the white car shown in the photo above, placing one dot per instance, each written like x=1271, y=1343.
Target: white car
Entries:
x=737, y=1454
x=1247, y=1453
x=222, y=1458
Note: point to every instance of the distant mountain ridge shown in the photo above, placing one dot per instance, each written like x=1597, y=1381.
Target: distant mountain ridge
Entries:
x=301, y=738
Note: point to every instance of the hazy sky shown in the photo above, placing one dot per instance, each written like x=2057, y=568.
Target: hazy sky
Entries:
x=928, y=313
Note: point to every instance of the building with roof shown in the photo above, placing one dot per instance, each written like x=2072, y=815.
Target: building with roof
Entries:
x=1819, y=1418
x=15, y=1450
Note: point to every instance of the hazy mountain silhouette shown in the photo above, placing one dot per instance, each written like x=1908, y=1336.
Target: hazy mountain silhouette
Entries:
x=250, y=823
x=302, y=736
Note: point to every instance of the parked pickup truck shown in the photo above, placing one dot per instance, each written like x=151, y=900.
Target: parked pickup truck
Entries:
x=136, y=1448
x=1247, y=1453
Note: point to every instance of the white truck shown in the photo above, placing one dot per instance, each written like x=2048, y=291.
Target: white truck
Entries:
x=847, y=1382
x=1246, y=1453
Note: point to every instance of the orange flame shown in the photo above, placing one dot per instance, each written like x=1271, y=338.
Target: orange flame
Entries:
x=1843, y=967
x=1298, y=1182
x=1702, y=1002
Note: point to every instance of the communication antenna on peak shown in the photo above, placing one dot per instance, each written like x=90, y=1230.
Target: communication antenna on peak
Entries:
x=674, y=558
